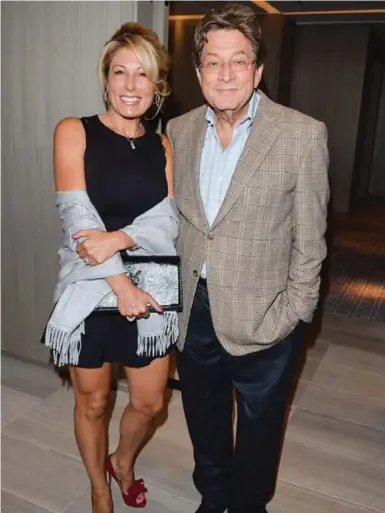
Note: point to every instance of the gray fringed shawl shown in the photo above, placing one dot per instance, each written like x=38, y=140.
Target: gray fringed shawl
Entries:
x=81, y=287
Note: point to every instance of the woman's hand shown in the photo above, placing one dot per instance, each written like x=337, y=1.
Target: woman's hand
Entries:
x=99, y=245
x=134, y=302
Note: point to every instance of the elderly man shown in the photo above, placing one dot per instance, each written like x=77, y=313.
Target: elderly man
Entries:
x=252, y=188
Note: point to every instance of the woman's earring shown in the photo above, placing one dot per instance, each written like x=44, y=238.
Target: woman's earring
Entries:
x=157, y=99
x=106, y=95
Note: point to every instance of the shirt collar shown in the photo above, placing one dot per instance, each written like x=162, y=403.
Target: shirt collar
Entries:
x=248, y=119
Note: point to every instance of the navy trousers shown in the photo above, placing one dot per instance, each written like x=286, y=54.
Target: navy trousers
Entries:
x=238, y=478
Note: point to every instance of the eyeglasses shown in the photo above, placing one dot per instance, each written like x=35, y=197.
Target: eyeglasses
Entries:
x=215, y=66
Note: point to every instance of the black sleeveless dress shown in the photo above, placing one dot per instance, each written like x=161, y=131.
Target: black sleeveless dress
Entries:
x=122, y=183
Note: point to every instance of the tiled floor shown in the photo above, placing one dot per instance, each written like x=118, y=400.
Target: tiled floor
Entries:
x=333, y=459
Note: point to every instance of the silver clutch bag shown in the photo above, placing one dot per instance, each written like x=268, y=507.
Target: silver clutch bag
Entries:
x=159, y=276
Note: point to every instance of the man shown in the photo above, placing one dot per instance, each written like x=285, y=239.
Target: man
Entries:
x=252, y=188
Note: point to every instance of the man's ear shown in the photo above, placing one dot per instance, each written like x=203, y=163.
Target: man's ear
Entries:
x=258, y=76
x=197, y=71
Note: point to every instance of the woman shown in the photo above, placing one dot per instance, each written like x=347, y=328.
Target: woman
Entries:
x=126, y=170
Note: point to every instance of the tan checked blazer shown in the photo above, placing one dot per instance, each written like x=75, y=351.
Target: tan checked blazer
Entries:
x=265, y=248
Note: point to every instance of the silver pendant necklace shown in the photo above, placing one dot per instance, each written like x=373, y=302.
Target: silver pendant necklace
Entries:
x=131, y=141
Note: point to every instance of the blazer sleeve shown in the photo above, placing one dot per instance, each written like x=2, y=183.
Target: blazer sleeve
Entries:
x=311, y=198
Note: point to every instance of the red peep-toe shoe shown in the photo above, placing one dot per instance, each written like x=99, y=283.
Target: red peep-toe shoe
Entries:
x=131, y=496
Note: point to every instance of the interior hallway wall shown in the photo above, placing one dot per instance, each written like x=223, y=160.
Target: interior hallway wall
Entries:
x=328, y=74
x=377, y=180
x=49, y=71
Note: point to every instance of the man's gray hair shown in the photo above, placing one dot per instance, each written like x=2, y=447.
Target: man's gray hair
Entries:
x=230, y=17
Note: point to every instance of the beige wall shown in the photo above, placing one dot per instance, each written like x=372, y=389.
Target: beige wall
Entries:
x=49, y=56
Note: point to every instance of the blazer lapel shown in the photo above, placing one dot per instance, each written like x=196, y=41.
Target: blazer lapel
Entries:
x=196, y=139
x=263, y=133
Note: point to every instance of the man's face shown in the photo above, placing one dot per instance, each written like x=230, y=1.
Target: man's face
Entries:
x=228, y=73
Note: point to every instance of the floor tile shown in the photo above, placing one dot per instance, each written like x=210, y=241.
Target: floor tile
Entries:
x=295, y=499
x=14, y=403
x=47, y=479
x=299, y=389
x=354, y=340
x=308, y=369
x=318, y=350
x=337, y=435
x=44, y=436
x=27, y=378
x=343, y=405
x=356, y=359
x=361, y=328
x=350, y=479
x=350, y=379
x=12, y=504
x=55, y=411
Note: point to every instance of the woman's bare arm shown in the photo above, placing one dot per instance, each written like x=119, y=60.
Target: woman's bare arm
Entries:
x=169, y=165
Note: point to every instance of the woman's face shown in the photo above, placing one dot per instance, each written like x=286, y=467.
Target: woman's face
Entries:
x=130, y=92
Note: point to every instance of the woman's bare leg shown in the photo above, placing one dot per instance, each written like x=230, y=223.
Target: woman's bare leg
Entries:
x=92, y=392
x=147, y=386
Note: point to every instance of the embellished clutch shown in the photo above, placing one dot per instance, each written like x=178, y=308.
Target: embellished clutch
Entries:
x=159, y=276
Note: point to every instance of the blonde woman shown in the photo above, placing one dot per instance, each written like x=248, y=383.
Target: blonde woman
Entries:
x=123, y=169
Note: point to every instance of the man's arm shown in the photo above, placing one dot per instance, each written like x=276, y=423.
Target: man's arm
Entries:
x=309, y=225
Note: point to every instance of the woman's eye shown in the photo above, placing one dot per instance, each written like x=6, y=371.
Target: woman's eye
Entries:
x=142, y=74
x=118, y=72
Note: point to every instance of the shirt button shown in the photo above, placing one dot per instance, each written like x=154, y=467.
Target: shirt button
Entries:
x=195, y=273
x=210, y=236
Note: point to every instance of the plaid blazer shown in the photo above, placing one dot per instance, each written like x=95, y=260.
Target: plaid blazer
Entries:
x=265, y=248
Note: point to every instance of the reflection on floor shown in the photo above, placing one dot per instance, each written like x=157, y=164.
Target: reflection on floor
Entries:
x=355, y=269
x=333, y=458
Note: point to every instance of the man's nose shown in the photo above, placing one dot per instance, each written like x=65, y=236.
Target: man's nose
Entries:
x=226, y=72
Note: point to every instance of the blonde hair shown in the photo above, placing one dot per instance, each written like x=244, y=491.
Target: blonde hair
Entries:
x=148, y=49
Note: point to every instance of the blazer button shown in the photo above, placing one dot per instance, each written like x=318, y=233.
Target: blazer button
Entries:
x=210, y=236
x=195, y=273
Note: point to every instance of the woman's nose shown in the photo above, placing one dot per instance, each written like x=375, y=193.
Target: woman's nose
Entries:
x=130, y=82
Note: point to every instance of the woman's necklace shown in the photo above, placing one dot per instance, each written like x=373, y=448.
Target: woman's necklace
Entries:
x=132, y=140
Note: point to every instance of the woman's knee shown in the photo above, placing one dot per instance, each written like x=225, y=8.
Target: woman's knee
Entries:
x=92, y=406
x=148, y=406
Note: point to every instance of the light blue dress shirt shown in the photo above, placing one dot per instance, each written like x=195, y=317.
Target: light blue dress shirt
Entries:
x=218, y=164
